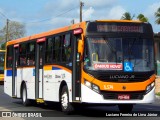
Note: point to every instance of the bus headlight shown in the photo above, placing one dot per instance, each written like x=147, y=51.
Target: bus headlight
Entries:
x=92, y=86
x=88, y=84
x=95, y=88
x=150, y=87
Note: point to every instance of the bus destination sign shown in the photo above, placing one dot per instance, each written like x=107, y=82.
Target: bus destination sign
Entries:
x=119, y=28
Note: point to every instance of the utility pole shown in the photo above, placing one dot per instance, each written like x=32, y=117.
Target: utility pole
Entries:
x=7, y=25
x=72, y=21
x=81, y=5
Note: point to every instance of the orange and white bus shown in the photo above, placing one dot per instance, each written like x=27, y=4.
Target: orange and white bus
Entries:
x=2, y=56
x=95, y=62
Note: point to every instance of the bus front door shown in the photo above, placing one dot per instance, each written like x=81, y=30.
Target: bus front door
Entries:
x=39, y=70
x=76, y=76
x=14, y=72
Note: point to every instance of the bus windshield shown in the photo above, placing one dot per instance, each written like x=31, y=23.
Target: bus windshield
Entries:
x=119, y=54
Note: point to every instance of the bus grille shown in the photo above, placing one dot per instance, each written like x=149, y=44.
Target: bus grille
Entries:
x=106, y=78
x=114, y=95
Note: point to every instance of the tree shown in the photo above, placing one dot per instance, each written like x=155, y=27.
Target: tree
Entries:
x=157, y=15
x=142, y=18
x=127, y=16
x=15, y=30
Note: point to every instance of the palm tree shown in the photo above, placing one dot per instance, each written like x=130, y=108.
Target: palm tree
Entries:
x=157, y=15
x=142, y=18
x=127, y=16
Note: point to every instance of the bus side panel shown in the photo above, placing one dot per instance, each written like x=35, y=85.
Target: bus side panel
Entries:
x=19, y=81
x=64, y=76
x=8, y=82
x=52, y=82
x=49, y=86
x=28, y=75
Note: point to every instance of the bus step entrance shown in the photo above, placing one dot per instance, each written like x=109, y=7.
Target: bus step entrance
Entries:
x=39, y=100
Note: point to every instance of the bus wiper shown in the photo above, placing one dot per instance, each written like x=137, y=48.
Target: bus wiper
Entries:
x=130, y=51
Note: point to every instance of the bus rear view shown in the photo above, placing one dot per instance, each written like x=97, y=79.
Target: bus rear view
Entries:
x=118, y=64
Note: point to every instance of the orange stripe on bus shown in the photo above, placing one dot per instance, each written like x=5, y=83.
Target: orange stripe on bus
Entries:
x=47, y=67
x=66, y=69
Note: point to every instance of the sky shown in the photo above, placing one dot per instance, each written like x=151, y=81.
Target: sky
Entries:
x=44, y=15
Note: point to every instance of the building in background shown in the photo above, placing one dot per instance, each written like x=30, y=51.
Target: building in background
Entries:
x=157, y=51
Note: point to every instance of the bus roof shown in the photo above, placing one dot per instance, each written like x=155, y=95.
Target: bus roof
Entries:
x=63, y=29
x=48, y=33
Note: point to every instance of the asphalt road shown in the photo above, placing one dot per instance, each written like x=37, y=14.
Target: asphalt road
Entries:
x=15, y=105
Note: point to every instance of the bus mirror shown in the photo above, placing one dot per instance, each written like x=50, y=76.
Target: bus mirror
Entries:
x=80, y=47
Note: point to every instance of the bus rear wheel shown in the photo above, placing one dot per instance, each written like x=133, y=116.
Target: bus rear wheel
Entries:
x=66, y=106
x=25, y=101
x=125, y=108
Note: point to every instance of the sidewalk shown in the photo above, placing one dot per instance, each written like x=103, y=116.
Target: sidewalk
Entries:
x=157, y=84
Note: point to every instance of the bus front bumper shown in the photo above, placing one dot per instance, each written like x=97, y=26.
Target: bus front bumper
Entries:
x=90, y=96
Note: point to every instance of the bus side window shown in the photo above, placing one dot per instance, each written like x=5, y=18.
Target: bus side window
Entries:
x=49, y=50
x=67, y=47
x=31, y=54
x=22, y=55
x=57, y=48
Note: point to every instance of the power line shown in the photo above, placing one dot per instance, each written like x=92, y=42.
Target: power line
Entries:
x=4, y=16
x=47, y=19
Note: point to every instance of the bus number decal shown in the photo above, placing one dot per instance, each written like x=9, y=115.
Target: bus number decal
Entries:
x=108, y=87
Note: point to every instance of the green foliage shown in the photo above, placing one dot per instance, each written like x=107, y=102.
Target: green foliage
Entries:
x=157, y=15
x=127, y=16
x=15, y=30
x=142, y=18
x=3, y=46
x=158, y=94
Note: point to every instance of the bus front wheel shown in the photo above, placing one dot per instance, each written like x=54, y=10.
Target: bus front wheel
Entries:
x=125, y=108
x=25, y=101
x=66, y=106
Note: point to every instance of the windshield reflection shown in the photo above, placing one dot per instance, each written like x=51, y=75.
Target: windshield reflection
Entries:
x=114, y=53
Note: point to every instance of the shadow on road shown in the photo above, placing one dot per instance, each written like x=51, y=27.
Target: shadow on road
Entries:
x=96, y=111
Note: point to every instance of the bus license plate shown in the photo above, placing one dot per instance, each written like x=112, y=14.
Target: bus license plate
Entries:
x=123, y=97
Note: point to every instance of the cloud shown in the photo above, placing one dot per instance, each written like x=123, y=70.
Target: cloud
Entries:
x=88, y=14
x=152, y=9
x=58, y=6
x=92, y=10
x=99, y=3
x=116, y=12
x=149, y=12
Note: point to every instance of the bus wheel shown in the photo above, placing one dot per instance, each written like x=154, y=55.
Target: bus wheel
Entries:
x=25, y=101
x=64, y=100
x=125, y=108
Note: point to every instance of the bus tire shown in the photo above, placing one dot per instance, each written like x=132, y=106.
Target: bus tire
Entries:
x=25, y=101
x=66, y=106
x=125, y=108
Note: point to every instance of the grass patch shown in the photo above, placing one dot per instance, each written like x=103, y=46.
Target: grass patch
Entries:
x=158, y=93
